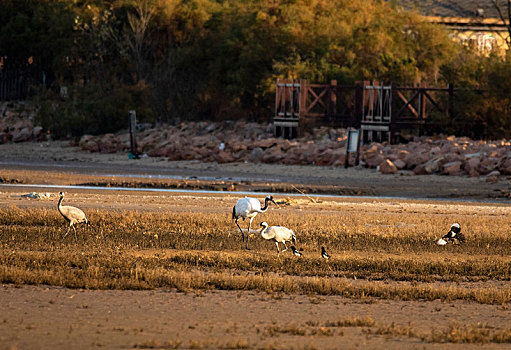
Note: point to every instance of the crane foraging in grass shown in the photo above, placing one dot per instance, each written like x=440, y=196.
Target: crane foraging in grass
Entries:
x=72, y=215
x=248, y=208
x=278, y=234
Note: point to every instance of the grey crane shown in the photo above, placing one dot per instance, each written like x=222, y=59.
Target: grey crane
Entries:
x=248, y=208
x=278, y=234
x=72, y=215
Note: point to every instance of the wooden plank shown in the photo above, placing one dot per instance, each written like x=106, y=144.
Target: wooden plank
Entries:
x=407, y=104
x=317, y=99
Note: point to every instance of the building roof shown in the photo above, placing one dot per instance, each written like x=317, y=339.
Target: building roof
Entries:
x=455, y=8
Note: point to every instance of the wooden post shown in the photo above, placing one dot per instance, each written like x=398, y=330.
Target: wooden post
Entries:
x=133, y=140
x=302, y=118
x=332, y=101
x=422, y=101
x=450, y=110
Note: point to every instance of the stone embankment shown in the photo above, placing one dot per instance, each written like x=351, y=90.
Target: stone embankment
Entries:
x=242, y=141
x=250, y=142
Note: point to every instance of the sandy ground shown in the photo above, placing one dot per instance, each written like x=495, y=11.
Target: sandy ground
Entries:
x=41, y=317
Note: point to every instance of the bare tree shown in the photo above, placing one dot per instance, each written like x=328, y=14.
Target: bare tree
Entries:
x=504, y=10
x=139, y=21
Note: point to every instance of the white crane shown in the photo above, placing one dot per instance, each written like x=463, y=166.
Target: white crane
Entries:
x=278, y=234
x=248, y=208
x=72, y=215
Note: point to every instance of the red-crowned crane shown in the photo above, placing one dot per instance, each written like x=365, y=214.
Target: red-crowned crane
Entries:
x=72, y=215
x=248, y=208
x=278, y=234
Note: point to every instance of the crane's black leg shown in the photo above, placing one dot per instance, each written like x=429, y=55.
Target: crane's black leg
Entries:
x=242, y=235
x=285, y=246
x=248, y=234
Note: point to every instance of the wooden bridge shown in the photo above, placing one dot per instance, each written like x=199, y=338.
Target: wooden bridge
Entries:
x=380, y=111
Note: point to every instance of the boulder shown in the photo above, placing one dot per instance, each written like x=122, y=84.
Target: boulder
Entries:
x=400, y=164
x=374, y=161
x=387, y=167
x=20, y=135
x=505, y=167
x=452, y=168
x=256, y=155
x=487, y=165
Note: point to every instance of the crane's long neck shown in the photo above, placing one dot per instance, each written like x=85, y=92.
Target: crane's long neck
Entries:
x=265, y=208
x=59, y=207
x=264, y=232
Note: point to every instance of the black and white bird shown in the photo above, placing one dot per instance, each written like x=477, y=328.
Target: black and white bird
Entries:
x=454, y=235
x=72, y=215
x=278, y=234
x=295, y=251
x=324, y=254
x=248, y=208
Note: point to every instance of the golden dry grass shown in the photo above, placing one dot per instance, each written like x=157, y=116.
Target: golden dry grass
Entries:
x=387, y=252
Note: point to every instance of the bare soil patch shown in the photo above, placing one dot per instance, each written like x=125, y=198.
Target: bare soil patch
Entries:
x=49, y=317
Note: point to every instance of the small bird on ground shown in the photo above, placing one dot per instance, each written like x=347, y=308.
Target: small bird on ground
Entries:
x=295, y=251
x=324, y=254
x=455, y=234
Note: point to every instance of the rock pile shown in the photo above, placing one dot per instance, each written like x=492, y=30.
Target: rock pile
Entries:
x=17, y=123
x=251, y=142
x=241, y=141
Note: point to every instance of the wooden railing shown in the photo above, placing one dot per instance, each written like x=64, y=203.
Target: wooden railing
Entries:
x=372, y=106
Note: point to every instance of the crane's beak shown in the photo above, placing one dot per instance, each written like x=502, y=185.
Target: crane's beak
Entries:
x=275, y=203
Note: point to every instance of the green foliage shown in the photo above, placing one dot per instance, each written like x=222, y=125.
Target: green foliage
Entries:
x=218, y=59
x=90, y=110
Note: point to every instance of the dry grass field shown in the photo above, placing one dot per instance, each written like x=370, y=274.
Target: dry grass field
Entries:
x=386, y=284
x=162, y=270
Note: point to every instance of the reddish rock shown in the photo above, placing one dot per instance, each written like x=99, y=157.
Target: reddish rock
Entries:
x=414, y=159
x=272, y=155
x=402, y=155
x=91, y=146
x=387, y=167
x=434, y=152
x=400, y=164
x=265, y=143
x=374, y=161
x=488, y=165
x=224, y=157
x=452, y=168
x=505, y=167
